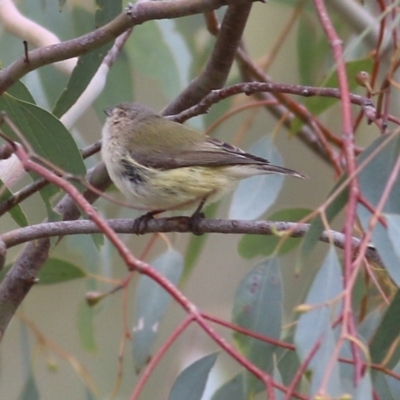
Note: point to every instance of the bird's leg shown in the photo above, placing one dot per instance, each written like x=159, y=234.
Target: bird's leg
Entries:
x=140, y=223
x=196, y=217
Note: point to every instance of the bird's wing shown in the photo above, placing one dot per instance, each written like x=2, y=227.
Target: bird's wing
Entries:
x=210, y=152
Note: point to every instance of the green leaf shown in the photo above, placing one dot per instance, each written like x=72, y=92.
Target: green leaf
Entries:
x=152, y=56
x=288, y=363
x=386, y=334
x=81, y=76
x=21, y=92
x=191, y=382
x=151, y=304
x=196, y=245
x=316, y=105
x=119, y=85
x=312, y=325
x=392, y=383
x=373, y=180
x=279, y=395
x=55, y=270
x=16, y=212
x=317, y=227
x=106, y=11
x=307, y=55
x=30, y=390
x=315, y=325
x=48, y=138
x=86, y=330
x=45, y=133
x=255, y=195
x=251, y=246
x=364, y=389
x=89, y=63
x=258, y=307
x=231, y=390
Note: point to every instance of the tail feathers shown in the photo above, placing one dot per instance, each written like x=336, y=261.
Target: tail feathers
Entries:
x=274, y=169
x=246, y=170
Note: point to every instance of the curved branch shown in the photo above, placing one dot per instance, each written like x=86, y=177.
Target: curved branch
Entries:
x=133, y=15
x=220, y=62
x=179, y=224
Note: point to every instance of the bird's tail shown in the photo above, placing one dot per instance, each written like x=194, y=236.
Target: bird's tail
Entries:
x=274, y=169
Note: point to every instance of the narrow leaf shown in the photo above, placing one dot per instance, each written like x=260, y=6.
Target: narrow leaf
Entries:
x=30, y=390
x=251, y=246
x=364, y=389
x=314, y=327
x=255, y=195
x=231, y=390
x=85, y=318
x=191, y=382
x=317, y=227
x=147, y=48
x=16, y=212
x=387, y=333
x=258, y=307
x=56, y=271
x=373, y=180
x=151, y=304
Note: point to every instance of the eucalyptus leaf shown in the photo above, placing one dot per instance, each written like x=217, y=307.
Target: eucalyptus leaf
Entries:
x=258, y=307
x=373, y=179
x=85, y=322
x=314, y=326
x=255, y=195
x=191, y=382
x=153, y=57
x=387, y=334
x=231, y=390
x=151, y=303
x=30, y=390
x=251, y=246
x=55, y=270
x=16, y=211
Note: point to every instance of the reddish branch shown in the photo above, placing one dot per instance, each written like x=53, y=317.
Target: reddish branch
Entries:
x=8, y=308
x=349, y=153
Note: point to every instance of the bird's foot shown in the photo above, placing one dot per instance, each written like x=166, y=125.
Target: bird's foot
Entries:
x=140, y=223
x=194, y=222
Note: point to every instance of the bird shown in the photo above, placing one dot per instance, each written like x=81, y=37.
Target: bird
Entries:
x=161, y=165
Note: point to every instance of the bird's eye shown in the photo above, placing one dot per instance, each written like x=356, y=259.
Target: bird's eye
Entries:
x=121, y=113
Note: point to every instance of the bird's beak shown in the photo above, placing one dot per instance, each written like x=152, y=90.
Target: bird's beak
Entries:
x=108, y=111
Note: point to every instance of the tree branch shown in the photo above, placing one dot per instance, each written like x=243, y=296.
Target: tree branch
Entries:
x=220, y=62
x=132, y=16
x=180, y=224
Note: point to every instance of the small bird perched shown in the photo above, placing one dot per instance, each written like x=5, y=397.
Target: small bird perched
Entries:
x=161, y=165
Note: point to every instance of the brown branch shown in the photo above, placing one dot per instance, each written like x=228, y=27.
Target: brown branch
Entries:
x=132, y=16
x=220, y=62
x=255, y=87
x=179, y=224
x=19, y=280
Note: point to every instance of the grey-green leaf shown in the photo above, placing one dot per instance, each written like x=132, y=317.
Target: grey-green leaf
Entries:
x=55, y=270
x=251, y=246
x=255, y=195
x=151, y=302
x=258, y=307
x=386, y=334
x=314, y=326
x=191, y=382
x=373, y=180
x=16, y=212
x=231, y=390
